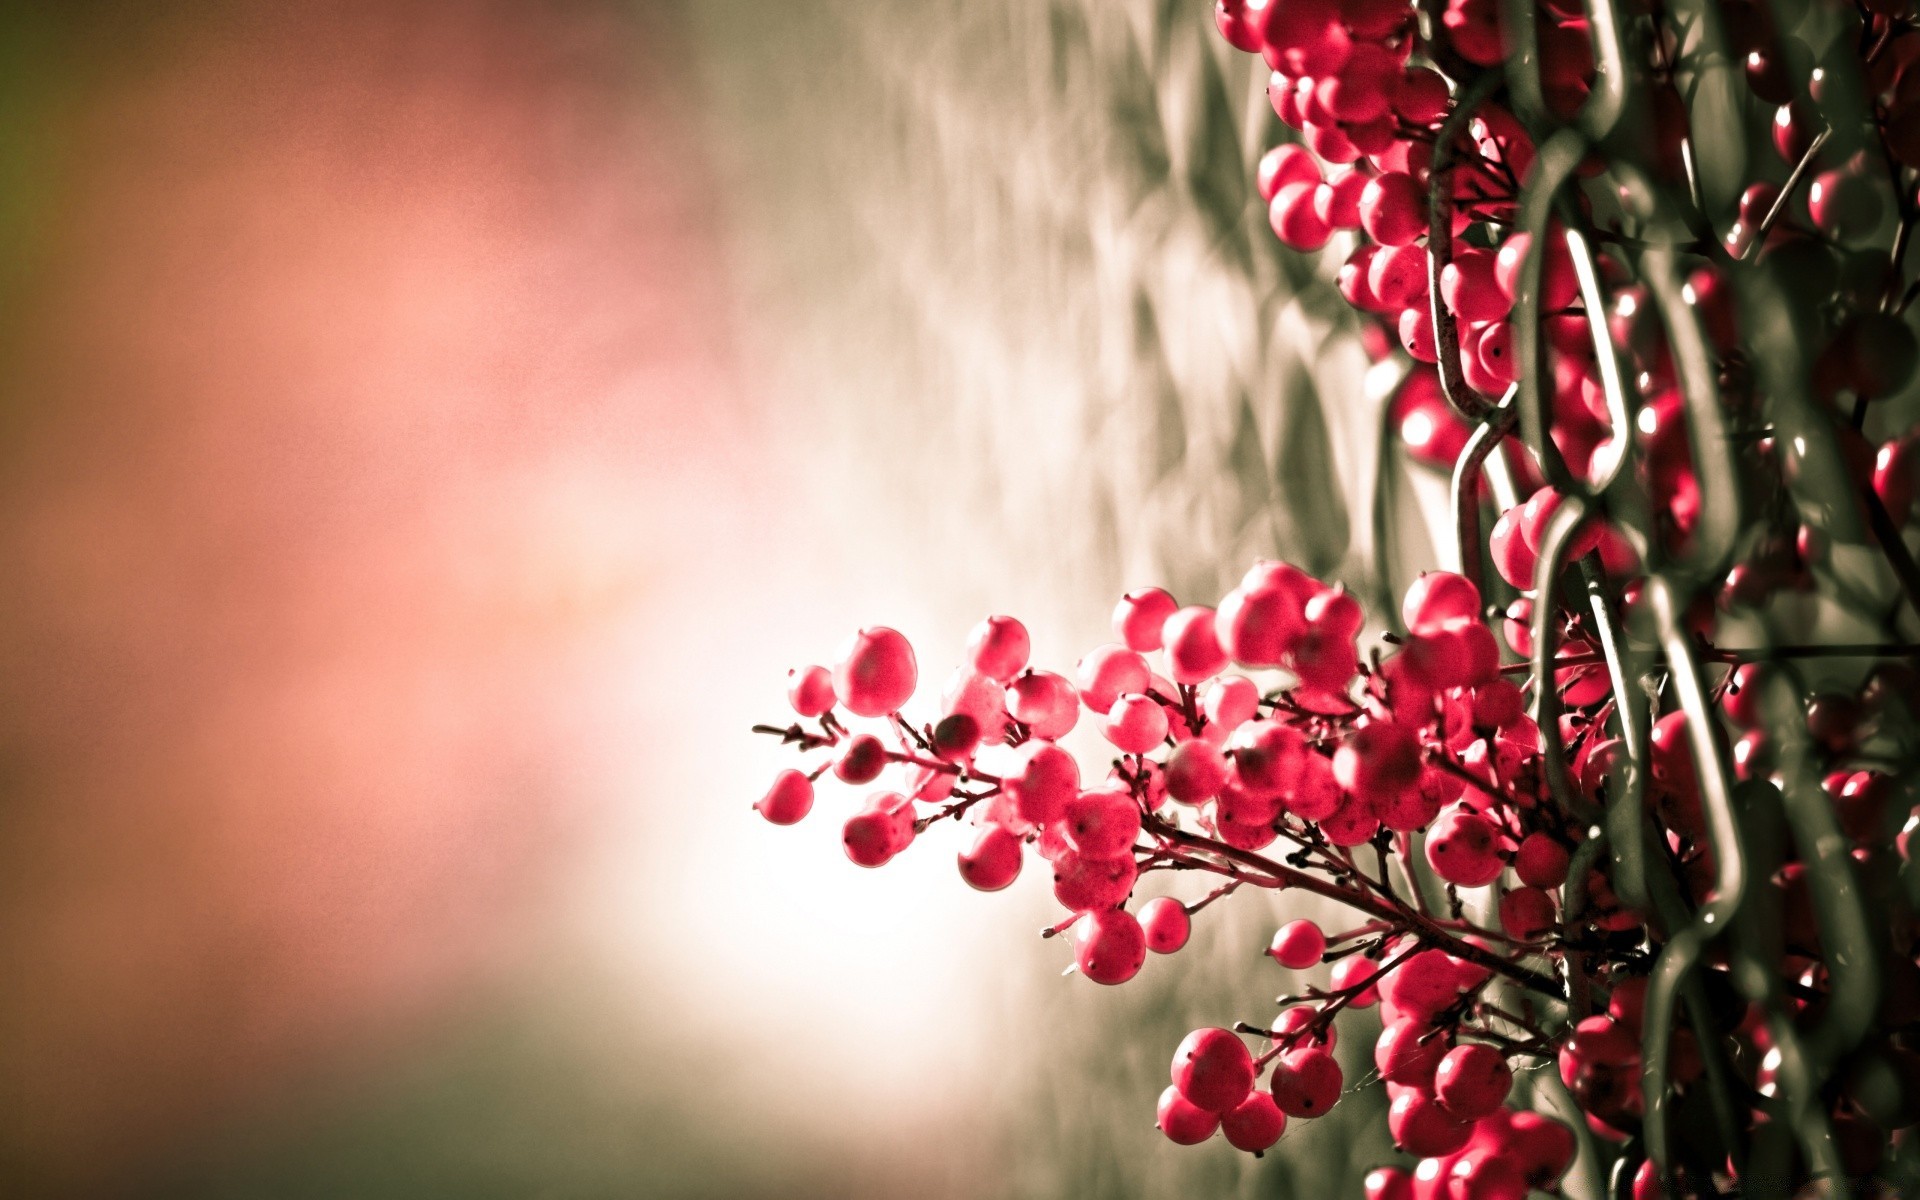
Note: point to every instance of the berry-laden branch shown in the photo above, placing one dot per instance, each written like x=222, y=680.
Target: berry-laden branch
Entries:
x=1616, y=859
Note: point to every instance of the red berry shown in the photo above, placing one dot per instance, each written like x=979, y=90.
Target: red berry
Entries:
x=1470, y=289
x=1647, y=1184
x=993, y=862
x=1416, y=335
x=788, y=800
x=1408, y=1052
x=1338, y=202
x=1260, y=621
x=1136, y=724
x=1254, y=1124
x=875, y=672
x=811, y=692
x=1268, y=757
x=1387, y=1183
x=1045, y=703
x=1472, y=1081
x=1844, y=203
x=1306, y=1082
x=1541, y=861
x=1436, y=597
x=1088, y=884
x=1140, y=616
x=1109, y=946
x=1193, y=645
x=1393, y=209
x=1542, y=1148
x=1559, y=283
x=1042, y=782
x=1421, y=1127
x=1184, y=1123
x=1109, y=670
x=1196, y=771
x=1526, y=914
x=1423, y=985
x=1284, y=164
x=1213, y=1069
x=1294, y=220
x=1355, y=970
x=1299, y=1017
x=879, y=831
x=861, y=760
x=1481, y=1176
x=1397, y=277
x=1298, y=945
x=1102, y=824
x=1166, y=924
x=1508, y=549
x=1463, y=848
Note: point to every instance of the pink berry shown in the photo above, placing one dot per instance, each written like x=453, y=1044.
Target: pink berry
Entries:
x=1422, y=985
x=1472, y=1081
x=1184, y=1123
x=955, y=738
x=1102, y=824
x=1509, y=551
x=1166, y=924
x=1109, y=946
x=811, y=692
x=1393, y=209
x=1416, y=335
x=1397, y=277
x=788, y=800
x=1045, y=703
x=1088, y=884
x=1196, y=771
x=1284, y=164
x=1213, y=1069
x=875, y=672
x=1109, y=670
x=1470, y=289
x=993, y=862
x=1387, y=1183
x=1543, y=1148
x=1294, y=220
x=1135, y=724
x=1254, y=1124
x=1140, y=616
x=1307, y=1082
x=1526, y=914
x=1541, y=861
x=861, y=760
x=879, y=831
x=1260, y=621
x=1481, y=1176
x=1463, y=848
x=1230, y=703
x=1844, y=203
x=1267, y=757
x=1355, y=970
x=1043, y=780
x=1193, y=648
x=1499, y=704
x=998, y=648
x=1437, y=597
x=1298, y=945
x=1408, y=1052
x=1421, y=1127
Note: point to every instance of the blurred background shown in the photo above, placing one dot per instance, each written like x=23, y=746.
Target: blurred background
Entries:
x=429, y=432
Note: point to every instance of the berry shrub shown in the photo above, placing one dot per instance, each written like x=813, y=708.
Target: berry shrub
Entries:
x=1617, y=809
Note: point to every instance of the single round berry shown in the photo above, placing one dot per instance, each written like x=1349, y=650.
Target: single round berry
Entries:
x=1298, y=945
x=1135, y=724
x=875, y=672
x=879, y=831
x=1393, y=208
x=1102, y=824
x=1140, y=616
x=1109, y=946
x=1193, y=647
x=1472, y=1081
x=861, y=760
x=1422, y=985
x=1284, y=164
x=1526, y=914
x=1166, y=924
x=1046, y=703
x=1387, y=1183
x=1470, y=289
x=1421, y=1127
x=1196, y=771
x=1254, y=1124
x=1408, y=1052
x=1230, y=702
x=1088, y=884
x=1307, y=1082
x=1463, y=848
x=1437, y=597
x=1287, y=1030
x=956, y=737
x=1294, y=220
x=1213, y=1069
x=788, y=800
x=811, y=692
x=1355, y=971
x=1042, y=782
x=1184, y=1122
x=993, y=861
x=999, y=647
x=1109, y=670
x=1541, y=861
x=1482, y=1176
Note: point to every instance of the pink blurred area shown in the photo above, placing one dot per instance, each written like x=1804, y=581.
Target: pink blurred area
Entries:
x=368, y=407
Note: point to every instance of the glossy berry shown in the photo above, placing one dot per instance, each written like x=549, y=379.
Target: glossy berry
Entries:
x=875, y=672
x=1109, y=670
x=993, y=861
x=1463, y=848
x=1393, y=209
x=1437, y=597
x=1387, y=1183
x=1102, y=824
x=1166, y=924
x=1472, y=1081
x=1294, y=219
x=1298, y=945
x=1284, y=164
x=1109, y=946
x=861, y=760
x=1470, y=289
x=1306, y=1082
x=1408, y=1052
x=1193, y=646
x=811, y=692
x=1254, y=1124
x=1044, y=779
x=1086, y=884
x=1196, y=771
x=1213, y=1069
x=1046, y=703
x=1353, y=971
x=1140, y=616
x=1421, y=1127
x=1135, y=724
x=1184, y=1123
x=998, y=648
x=1526, y=914
x=1541, y=861
x=788, y=800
